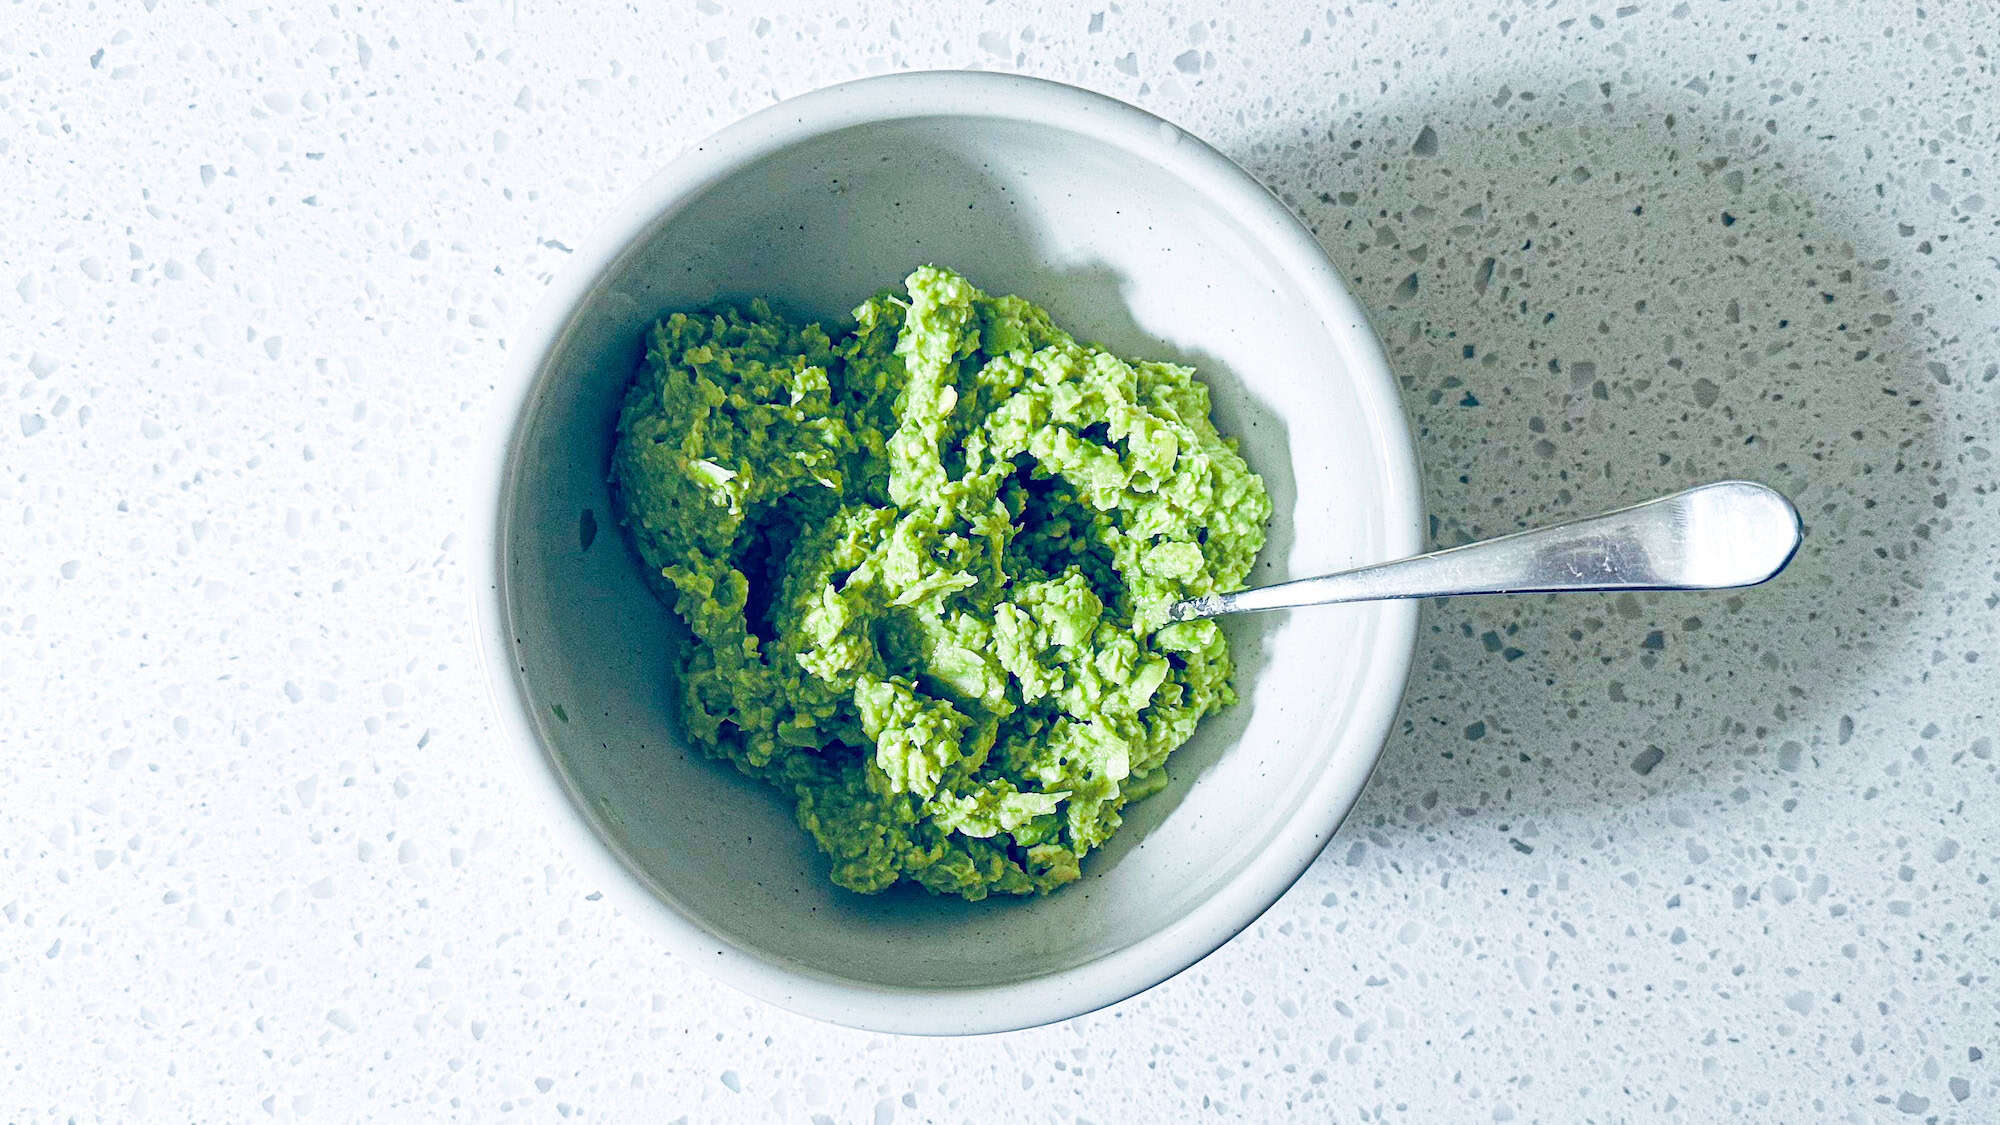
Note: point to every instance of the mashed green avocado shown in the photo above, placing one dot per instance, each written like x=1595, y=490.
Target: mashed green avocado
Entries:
x=926, y=564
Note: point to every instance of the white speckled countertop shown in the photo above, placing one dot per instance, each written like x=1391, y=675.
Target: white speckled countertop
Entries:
x=1647, y=857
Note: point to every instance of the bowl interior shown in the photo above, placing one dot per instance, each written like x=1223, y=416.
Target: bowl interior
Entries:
x=1123, y=252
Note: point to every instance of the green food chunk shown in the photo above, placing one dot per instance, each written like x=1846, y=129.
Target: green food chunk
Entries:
x=926, y=565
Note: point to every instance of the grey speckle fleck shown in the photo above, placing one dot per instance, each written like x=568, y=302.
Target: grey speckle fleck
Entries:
x=1426, y=143
x=1483, y=276
x=1648, y=758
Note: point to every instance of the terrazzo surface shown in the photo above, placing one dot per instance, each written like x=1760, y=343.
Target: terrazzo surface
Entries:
x=1635, y=858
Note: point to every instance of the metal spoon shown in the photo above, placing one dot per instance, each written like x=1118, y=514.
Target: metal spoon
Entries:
x=1732, y=533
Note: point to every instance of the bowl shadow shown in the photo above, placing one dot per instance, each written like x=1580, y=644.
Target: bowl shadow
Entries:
x=1588, y=305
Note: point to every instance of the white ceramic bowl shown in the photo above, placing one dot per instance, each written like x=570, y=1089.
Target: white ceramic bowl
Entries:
x=1133, y=235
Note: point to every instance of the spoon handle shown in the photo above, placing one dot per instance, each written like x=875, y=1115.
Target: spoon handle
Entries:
x=1732, y=533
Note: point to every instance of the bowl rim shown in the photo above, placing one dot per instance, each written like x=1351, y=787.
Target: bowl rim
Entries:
x=1093, y=984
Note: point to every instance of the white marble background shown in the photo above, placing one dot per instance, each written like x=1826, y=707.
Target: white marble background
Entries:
x=1661, y=857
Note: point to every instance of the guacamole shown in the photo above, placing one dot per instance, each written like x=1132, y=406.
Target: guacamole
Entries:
x=926, y=562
